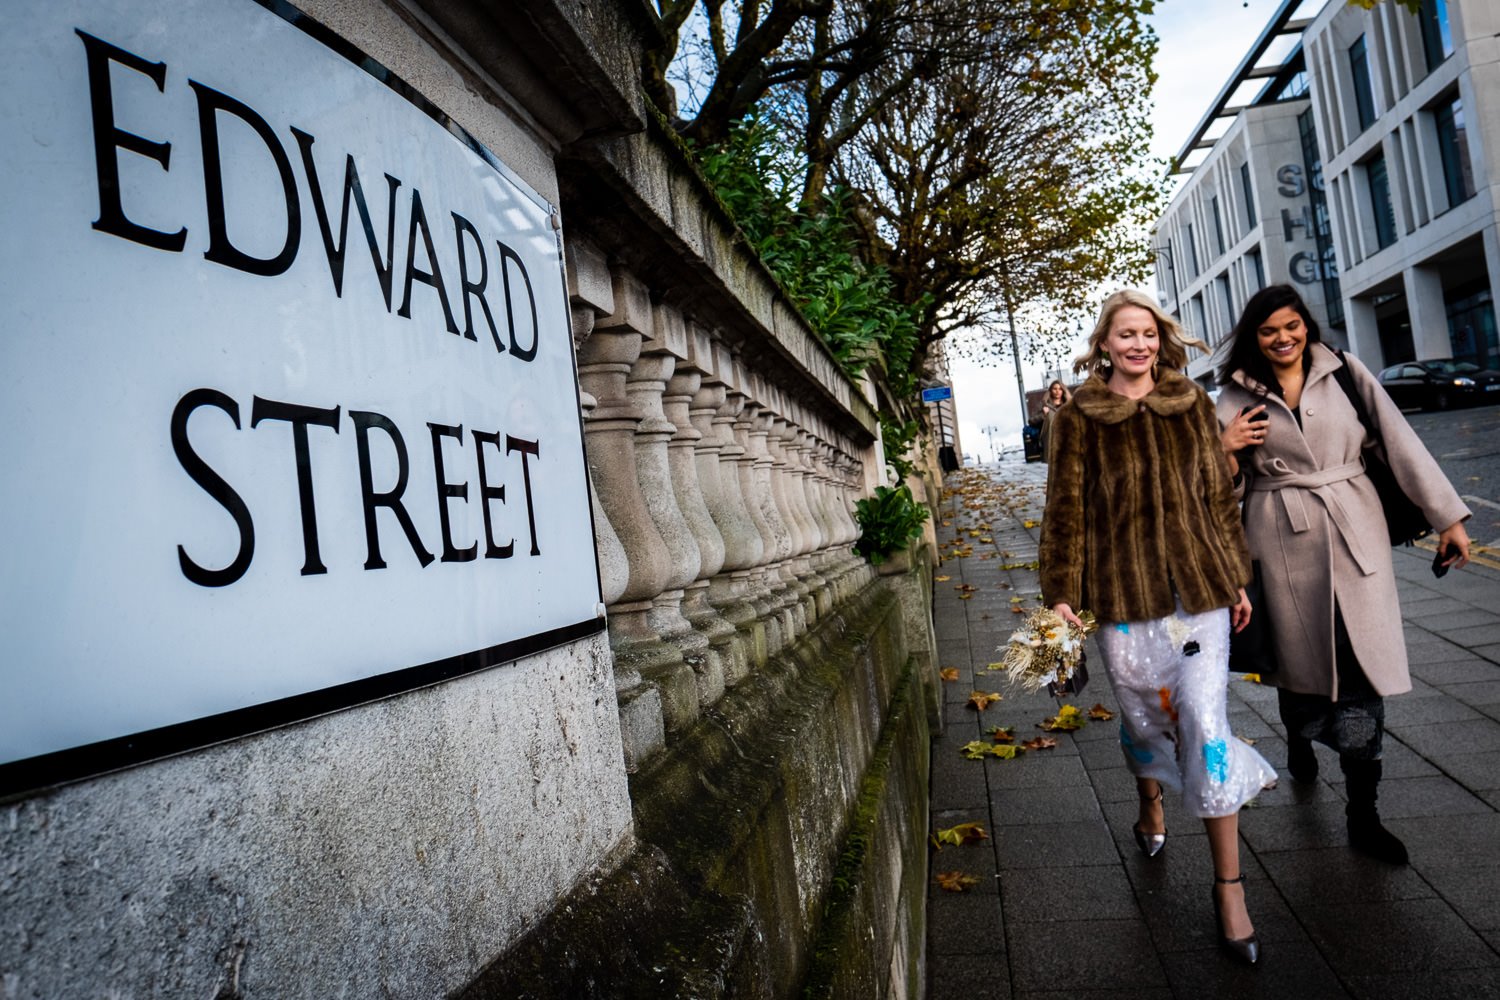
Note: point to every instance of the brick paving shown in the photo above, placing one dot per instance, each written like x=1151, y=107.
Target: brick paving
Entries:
x=1065, y=905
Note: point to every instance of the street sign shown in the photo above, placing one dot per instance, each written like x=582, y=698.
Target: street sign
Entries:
x=263, y=478
x=936, y=393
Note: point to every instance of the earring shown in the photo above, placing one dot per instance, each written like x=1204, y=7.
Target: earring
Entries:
x=1104, y=361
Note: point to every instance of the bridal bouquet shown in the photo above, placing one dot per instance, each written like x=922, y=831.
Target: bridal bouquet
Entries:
x=1048, y=652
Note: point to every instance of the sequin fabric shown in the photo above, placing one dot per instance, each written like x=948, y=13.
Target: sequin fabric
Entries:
x=1170, y=677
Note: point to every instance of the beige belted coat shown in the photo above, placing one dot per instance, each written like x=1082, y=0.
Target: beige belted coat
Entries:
x=1313, y=520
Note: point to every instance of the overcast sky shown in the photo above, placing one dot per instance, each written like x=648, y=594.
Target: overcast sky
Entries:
x=1202, y=41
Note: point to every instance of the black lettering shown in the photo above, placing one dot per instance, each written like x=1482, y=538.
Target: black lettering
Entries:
x=108, y=137
x=446, y=489
x=488, y=493
x=363, y=421
x=214, y=485
x=532, y=448
x=473, y=289
x=351, y=185
x=434, y=278
x=300, y=417
x=220, y=249
x=507, y=255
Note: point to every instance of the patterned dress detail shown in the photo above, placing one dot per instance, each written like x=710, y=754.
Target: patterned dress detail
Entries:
x=1170, y=677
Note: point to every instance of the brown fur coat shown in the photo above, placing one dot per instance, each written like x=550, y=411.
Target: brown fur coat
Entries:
x=1139, y=500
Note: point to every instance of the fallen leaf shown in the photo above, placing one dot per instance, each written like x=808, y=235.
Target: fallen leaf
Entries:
x=1100, y=714
x=1003, y=734
x=1017, y=610
x=1004, y=751
x=982, y=700
x=974, y=750
x=1067, y=719
x=1252, y=678
x=965, y=597
x=961, y=834
x=1030, y=524
x=1017, y=600
x=995, y=666
x=1039, y=743
x=948, y=673
x=956, y=881
x=942, y=579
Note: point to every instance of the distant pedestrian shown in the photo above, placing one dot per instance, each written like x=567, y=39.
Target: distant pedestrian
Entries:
x=1141, y=528
x=1314, y=521
x=1057, y=395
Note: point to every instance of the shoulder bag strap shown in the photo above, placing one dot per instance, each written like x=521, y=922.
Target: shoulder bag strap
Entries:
x=1345, y=380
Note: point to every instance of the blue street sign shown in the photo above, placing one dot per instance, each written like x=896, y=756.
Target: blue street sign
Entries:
x=936, y=393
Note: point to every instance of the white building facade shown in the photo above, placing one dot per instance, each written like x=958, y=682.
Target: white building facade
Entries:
x=1407, y=110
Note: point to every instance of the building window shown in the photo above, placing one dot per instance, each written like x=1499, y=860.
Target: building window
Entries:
x=1256, y=268
x=1453, y=147
x=1359, y=69
x=1249, y=195
x=1218, y=224
x=1200, y=328
x=1380, y=202
x=1471, y=326
x=1437, y=39
x=1221, y=283
x=1192, y=246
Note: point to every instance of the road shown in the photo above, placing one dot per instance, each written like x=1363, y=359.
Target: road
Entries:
x=1466, y=444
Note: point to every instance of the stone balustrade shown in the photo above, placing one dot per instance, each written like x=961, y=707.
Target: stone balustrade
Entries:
x=724, y=492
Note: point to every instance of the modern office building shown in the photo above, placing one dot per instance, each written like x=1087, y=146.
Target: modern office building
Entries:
x=1407, y=107
x=1351, y=153
x=1251, y=211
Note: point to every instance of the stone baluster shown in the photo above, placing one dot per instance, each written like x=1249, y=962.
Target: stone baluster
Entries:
x=645, y=386
x=718, y=634
x=794, y=570
x=606, y=426
x=762, y=582
x=757, y=424
x=804, y=446
x=605, y=360
x=718, y=454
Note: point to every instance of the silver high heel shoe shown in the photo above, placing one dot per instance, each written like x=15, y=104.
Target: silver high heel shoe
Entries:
x=1150, y=843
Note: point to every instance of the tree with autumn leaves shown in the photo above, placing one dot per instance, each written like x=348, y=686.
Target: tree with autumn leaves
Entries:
x=913, y=167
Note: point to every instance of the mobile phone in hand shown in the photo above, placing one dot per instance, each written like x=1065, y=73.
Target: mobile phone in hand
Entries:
x=1444, y=554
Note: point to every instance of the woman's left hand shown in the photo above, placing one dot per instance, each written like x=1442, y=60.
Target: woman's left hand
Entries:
x=1456, y=537
x=1239, y=615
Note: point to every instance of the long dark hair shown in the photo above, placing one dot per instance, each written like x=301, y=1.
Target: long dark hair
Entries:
x=1245, y=354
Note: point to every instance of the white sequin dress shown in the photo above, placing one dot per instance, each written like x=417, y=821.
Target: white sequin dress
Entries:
x=1170, y=677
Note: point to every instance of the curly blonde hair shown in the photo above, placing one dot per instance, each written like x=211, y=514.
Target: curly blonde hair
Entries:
x=1174, y=340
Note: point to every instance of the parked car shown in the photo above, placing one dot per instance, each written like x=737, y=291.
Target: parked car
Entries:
x=1440, y=383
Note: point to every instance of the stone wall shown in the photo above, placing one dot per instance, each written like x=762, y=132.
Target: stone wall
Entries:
x=726, y=796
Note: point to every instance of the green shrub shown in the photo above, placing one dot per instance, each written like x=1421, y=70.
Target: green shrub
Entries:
x=888, y=522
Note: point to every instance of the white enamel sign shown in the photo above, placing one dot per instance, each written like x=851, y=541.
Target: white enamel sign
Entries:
x=287, y=398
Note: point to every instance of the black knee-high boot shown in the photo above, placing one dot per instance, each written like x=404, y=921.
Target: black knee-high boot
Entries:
x=1366, y=835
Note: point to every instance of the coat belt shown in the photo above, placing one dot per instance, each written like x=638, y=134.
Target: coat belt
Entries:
x=1289, y=486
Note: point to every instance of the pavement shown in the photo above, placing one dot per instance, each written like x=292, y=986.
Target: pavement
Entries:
x=1064, y=905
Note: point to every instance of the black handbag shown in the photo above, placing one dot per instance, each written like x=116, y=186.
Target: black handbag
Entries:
x=1404, y=520
x=1251, y=650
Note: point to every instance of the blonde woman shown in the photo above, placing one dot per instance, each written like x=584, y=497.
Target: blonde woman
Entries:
x=1141, y=527
x=1057, y=395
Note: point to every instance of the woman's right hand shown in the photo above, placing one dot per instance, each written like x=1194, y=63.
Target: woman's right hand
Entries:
x=1065, y=612
x=1246, y=429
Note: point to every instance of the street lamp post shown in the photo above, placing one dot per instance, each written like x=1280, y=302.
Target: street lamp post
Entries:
x=1165, y=252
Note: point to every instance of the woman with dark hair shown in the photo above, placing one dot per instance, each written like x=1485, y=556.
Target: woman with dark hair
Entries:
x=1295, y=442
x=1141, y=528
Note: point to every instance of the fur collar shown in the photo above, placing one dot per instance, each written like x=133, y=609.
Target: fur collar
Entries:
x=1174, y=394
